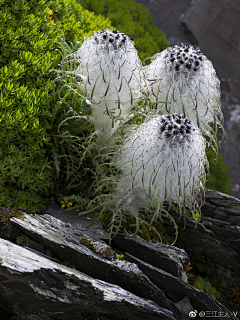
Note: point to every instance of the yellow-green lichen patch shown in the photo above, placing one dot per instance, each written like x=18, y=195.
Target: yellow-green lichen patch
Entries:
x=186, y=265
x=7, y=213
x=86, y=242
x=98, y=247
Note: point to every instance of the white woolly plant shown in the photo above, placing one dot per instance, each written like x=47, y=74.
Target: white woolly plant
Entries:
x=184, y=79
x=110, y=74
x=163, y=161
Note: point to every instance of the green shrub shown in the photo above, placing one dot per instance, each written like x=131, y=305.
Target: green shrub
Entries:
x=30, y=33
x=134, y=20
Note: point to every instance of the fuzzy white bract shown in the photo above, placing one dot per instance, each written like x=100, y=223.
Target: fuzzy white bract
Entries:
x=184, y=77
x=162, y=161
x=111, y=77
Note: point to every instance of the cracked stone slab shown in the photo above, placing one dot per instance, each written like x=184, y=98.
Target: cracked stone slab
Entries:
x=165, y=257
x=201, y=243
x=92, y=257
x=180, y=292
x=38, y=288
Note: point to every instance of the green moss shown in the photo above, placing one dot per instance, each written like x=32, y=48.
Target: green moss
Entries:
x=87, y=243
x=219, y=177
x=203, y=284
x=198, y=276
x=30, y=33
x=206, y=268
x=21, y=239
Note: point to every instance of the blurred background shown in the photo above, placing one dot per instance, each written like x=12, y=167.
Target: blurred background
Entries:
x=214, y=26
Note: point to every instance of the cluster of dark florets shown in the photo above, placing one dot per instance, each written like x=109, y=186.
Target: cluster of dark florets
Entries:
x=176, y=125
x=108, y=37
x=184, y=56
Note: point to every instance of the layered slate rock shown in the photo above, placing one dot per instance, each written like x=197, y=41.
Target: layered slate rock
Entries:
x=36, y=288
x=94, y=258
x=152, y=275
x=221, y=214
x=216, y=238
x=166, y=257
x=167, y=279
x=150, y=282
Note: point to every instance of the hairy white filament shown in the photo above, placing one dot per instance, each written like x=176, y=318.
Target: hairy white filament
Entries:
x=110, y=74
x=162, y=161
x=186, y=79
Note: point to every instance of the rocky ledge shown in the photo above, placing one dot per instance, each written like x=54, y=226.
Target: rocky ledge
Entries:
x=50, y=270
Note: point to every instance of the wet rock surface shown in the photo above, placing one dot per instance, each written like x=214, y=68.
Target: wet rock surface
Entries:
x=57, y=271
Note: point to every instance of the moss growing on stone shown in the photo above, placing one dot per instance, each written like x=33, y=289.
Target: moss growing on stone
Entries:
x=7, y=213
x=95, y=246
x=86, y=242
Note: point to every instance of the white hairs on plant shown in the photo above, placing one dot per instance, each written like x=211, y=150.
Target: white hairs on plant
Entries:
x=110, y=74
x=185, y=79
x=162, y=161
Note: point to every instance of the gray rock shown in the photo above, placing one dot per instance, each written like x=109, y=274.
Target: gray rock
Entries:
x=215, y=25
x=83, y=222
x=166, y=257
x=153, y=273
x=221, y=214
x=203, y=245
x=90, y=256
x=151, y=258
x=179, y=291
x=39, y=289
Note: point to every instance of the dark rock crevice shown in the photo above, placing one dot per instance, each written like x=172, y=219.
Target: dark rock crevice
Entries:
x=151, y=281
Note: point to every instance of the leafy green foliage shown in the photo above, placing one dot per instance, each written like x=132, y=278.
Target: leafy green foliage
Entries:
x=134, y=20
x=30, y=145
